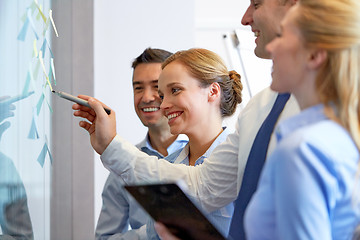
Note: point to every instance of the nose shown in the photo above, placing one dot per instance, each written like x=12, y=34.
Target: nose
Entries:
x=247, y=19
x=164, y=104
x=149, y=95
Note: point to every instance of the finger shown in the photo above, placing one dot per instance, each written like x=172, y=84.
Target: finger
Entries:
x=77, y=106
x=98, y=107
x=4, y=98
x=3, y=127
x=5, y=114
x=86, y=115
x=163, y=232
x=85, y=97
x=85, y=125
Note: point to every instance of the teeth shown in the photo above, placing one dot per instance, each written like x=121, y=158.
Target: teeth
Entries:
x=150, y=109
x=174, y=115
x=256, y=34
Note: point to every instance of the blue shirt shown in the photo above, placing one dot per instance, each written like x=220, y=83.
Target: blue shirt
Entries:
x=120, y=210
x=221, y=218
x=307, y=185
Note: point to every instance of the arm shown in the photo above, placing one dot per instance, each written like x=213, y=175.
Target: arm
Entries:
x=216, y=182
x=114, y=215
x=304, y=192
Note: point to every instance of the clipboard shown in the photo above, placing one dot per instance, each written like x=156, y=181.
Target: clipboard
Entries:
x=167, y=203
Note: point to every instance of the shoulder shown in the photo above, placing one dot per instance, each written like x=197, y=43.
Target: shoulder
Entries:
x=264, y=99
x=324, y=145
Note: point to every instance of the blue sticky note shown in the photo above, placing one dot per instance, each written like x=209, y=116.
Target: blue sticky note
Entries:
x=39, y=104
x=22, y=34
x=50, y=156
x=42, y=155
x=33, y=133
x=27, y=84
x=43, y=48
x=32, y=23
x=50, y=108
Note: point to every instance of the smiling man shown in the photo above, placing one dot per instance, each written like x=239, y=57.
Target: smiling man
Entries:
x=119, y=212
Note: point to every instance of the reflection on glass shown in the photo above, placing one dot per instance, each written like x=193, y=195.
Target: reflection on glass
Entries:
x=14, y=213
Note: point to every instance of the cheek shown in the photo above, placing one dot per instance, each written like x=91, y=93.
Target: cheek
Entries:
x=136, y=100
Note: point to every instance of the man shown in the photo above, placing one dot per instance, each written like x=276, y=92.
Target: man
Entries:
x=264, y=17
x=218, y=180
x=119, y=211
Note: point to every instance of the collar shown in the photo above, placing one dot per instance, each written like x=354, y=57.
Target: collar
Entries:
x=184, y=154
x=306, y=117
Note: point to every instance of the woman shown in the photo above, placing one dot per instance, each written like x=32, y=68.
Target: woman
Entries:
x=308, y=188
x=197, y=92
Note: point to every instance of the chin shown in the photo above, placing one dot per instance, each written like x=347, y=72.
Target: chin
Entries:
x=276, y=88
x=174, y=131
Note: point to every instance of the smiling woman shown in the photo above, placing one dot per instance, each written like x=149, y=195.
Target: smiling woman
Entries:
x=197, y=91
x=317, y=58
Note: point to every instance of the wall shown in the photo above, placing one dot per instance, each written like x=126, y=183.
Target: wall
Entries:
x=122, y=30
x=72, y=205
x=25, y=173
x=171, y=25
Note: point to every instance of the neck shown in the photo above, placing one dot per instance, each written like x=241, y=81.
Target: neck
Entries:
x=199, y=144
x=161, y=139
x=306, y=94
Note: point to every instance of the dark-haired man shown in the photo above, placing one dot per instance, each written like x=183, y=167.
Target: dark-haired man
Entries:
x=119, y=210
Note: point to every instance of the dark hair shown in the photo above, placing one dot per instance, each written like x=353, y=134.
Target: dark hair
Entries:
x=151, y=55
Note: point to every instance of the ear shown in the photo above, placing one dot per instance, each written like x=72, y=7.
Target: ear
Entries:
x=316, y=58
x=214, y=92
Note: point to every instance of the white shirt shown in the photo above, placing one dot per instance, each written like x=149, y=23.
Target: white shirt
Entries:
x=217, y=181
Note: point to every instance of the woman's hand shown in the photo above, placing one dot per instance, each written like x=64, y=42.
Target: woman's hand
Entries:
x=100, y=125
x=163, y=232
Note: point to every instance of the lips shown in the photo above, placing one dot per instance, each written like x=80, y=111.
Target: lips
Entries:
x=173, y=115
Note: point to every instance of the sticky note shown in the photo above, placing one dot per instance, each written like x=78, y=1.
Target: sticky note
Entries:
x=32, y=23
x=53, y=23
x=43, y=67
x=33, y=133
x=23, y=31
x=39, y=104
x=53, y=69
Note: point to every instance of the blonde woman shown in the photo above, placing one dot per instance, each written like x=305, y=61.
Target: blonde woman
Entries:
x=197, y=92
x=308, y=189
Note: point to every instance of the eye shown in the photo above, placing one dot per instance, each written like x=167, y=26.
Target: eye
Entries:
x=256, y=4
x=138, y=89
x=175, y=90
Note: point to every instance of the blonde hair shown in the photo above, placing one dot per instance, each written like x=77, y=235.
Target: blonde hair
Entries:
x=208, y=67
x=333, y=25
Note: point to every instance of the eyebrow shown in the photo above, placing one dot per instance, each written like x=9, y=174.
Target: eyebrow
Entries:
x=172, y=84
x=139, y=82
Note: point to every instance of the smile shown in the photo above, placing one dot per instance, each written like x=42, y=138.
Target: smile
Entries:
x=151, y=109
x=173, y=115
x=256, y=34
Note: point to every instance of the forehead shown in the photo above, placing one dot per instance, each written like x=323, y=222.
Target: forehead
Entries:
x=146, y=72
x=173, y=72
x=176, y=73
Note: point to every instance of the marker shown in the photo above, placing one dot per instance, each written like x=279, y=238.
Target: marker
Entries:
x=77, y=100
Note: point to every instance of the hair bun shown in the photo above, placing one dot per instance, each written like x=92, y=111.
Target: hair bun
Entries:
x=236, y=85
